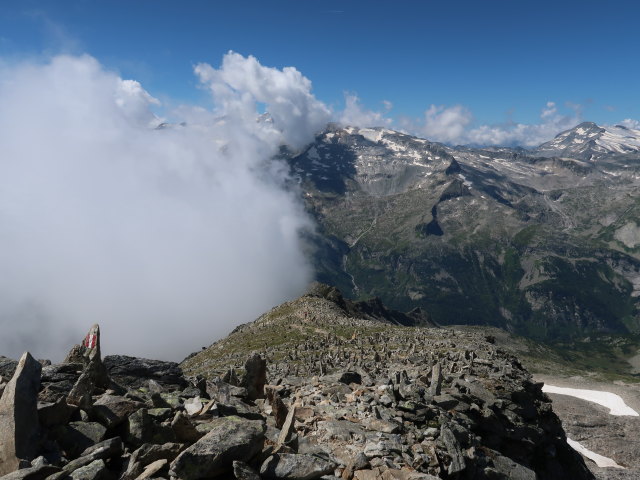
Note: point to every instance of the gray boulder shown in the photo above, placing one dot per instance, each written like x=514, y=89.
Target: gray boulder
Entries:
x=76, y=437
x=96, y=470
x=296, y=467
x=19, y=415
x=231, y=438
x=112, y=410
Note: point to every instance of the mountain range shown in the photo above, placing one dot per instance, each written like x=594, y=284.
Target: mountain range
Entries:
x=543, y=242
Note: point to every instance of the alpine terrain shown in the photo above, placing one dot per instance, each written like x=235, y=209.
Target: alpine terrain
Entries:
x=543, y=242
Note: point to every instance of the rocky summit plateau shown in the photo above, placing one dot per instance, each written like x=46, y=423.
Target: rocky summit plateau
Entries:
x=319, y=387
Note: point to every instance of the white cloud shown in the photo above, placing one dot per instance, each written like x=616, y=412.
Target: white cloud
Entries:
x=445, y=124
x=166, y=237
x=354, y=114
x=454, y=125
x=631, y=123
x=241, y=82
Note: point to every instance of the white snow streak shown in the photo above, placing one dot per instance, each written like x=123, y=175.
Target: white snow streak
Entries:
x=598, y=459
x=613, y=402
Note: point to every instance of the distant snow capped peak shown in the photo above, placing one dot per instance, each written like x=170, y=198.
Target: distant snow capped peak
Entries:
x=589, y=141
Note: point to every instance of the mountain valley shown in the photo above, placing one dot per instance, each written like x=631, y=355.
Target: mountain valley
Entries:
x=542, y=242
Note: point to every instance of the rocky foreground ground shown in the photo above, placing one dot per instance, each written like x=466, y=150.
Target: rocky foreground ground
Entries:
x=316, y=388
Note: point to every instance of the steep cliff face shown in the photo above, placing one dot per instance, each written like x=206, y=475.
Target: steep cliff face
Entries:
x=546, y=246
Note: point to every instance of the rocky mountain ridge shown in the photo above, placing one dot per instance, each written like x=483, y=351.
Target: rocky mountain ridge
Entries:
x=328, y=393
x=543, y=245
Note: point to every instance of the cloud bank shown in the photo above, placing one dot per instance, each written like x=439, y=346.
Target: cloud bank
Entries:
x=454, y=125
x=167, y=237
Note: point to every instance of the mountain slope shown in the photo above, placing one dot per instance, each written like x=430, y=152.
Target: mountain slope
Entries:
x=589, y=141
x=544, y=246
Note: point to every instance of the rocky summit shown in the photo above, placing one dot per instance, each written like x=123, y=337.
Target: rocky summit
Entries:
x=319, y=387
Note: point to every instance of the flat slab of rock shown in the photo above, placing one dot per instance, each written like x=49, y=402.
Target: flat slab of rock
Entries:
x=32, y=473
x=103, y=450
x=298, y=467
x=94, y=471
x=231, y=438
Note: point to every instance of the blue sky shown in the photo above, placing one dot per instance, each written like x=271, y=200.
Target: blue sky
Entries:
x=500, y=61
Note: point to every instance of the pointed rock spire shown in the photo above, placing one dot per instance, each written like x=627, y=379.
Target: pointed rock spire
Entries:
x=19, y=415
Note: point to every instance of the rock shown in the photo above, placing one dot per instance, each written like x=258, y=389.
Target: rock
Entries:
x=76, y=437
x=278, y=408
x=436, y=380
x=350, y=377
x=193, y=406
x=445, y=401
x=82, y=391
x=103, y=450
x=55, y=414
x=94, y=375
x=7, y=367
x=242, y=471
x=231, y=378
x=96, y=470
x=381, y=425
x=33, y=473
x=395, y=474
x=142, y=429
x=112, y=410
x=382, y=447
x=19, y=415
x=147, y=454
x=184, y=430
x=75, y=355
x=135, y=372
x=359, y=462
x=298, y=467
x=288, y=428
x=511, y=469
x=255, y=376
x=231, y=438
x=457, y=464
x=152, y=469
